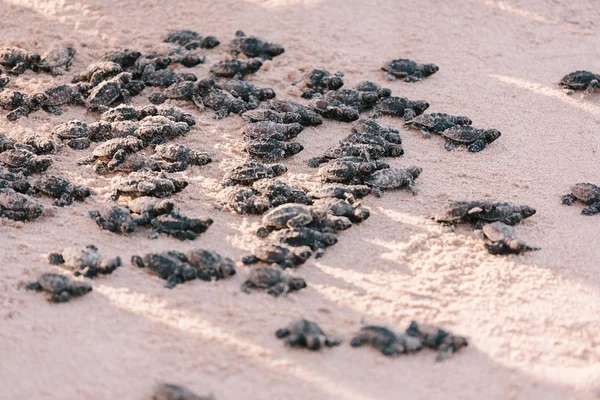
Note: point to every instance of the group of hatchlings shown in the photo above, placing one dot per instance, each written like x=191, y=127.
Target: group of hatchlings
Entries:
x=296, y=224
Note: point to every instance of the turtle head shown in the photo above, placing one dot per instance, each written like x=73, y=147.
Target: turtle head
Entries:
x=329, y=239
x=226, y=269
x=384, y=92
x=339, y=223
x=137, y=261
x=266, y=94
x=491, y=135
x=414, y=171
x=395, y=150
x=278, y=169
x=33, y=58
x=420, y=106
x=527, y=211
x=463, y=121
x=336, y=81
x=275, y=49
x=203, y=86
x=303, y=253
x=296, y=283
x=430, y=69
x=210, y=42
x=80, y=288
x=293, y=148
x=254, y=65
x=370, y=97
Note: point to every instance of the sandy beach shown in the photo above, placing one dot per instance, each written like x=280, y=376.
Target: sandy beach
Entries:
x=533, y=320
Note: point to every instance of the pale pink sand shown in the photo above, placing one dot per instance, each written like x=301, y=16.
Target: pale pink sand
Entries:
x=533, y=320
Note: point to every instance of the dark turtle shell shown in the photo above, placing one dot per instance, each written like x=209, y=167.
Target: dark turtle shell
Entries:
x=463, y=134
x=579, y=79
x=586, y=192
x=279, y=216
x=266, y=277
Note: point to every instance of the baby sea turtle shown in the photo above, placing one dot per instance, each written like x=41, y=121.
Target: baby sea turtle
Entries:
x=6, y=143
x=279, y=192
x=14, y=180
x=24, y=161
x=16, y=60
x=251, y=46
x=74, y=133
x=131, y=162
x=57, y=60
x=482, y=212
x=116, y=219
x=500, y=238
x=125, y=112
x=213, y=96
x=359, y=100
x=3, y=80
x=85, y=261
x=343, y=208
x=62, y=190
x=395, y=106
x=107, y=150
x=248, y=92
x=288, y=215
x=387, y=340
x=269, y=115
x=282, y=255
x=180, y=154
x=243, y=200
x=18, y=207
x=191, y=39
x=475, y=139
x=169, y=391
x=179, y=226
x=369, y=86
x=21, y=104
x=300, y=237
x=271, y=130
x=437, y=122
x=436, y=338
x=393, y=178
x=334, y=109
x=304, y=333
x=350, y=170
x=60, y=288
x=271, y=150
x=236, y=69
x=373, y=127
x=361, y=145
x=340, y=191
x=250, y=172
x=306, y=115
x=148, y=183
x=588, y=194
x=144, y=209
x=98, y=72
x=114, y=91
x=171, y=266
x=126, y=58
x=210, y=265
x=409, y=70
x=581, y=80
x=158, y=129
x=40, y=144
x=318, y=81
x=274, y=279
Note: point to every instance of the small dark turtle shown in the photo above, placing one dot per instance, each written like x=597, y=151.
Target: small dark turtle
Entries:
x=16, y=60
x=176, y=114
x=155, y=72
x=588, y=194
x=408, y=69
x=85, y=261
x=60, y=288
x=179, y=226
x=74, y=133
x=318, y=81
x=178, y=153
x=18, y=207
x=14, y=180
x=122, y=161
x=368, y=86
x=250, y=172
x=268, y=115
x=191, y=40
x=99, y=72
x=214, y=97
x=114, y=91
x=306, y=115
x=475, y=139
x=437, y=122
x=359, y=100
x=274, y=279
x=271, y=150
x=171, y=266
x=125, y=112
x=185, y=57
x=373, y=127
x=58, y=60
x=184, y=90
x=126, y=58
x=251, y=46
x=243, y=200
x=248, y=92
x=159, y=129
x=581, y=80
x=116, y=219
x=351, y=170
x=288, y=215
x=387, y=340
x=279, y=192
x=362, y=145
x=148, y=183
x=392, y=149
x=500, y=238
x=6, y=143
x=395, y=106
x=21, y=104
x=107, y=150
x=334, y=109
x=343, y=208
x=3, y=80
x=316, y=240
x=282, y=255
x=169, y=391
x=24, y=161
x=210, y=265
x=304, y=333
x=41, y=144
x=62, y=190
x=393, y=178
x=271, y=130
x=340, y=191
x=482, y=212
x=144, y=209
x=436, y=338
x=236, y=68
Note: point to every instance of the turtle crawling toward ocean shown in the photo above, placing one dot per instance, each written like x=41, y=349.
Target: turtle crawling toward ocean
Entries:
x=18, y=207
x=274, y=279
x=581, y=80
x=169, y=391
x=248, y=92
x=480, y=213
x=148, y=183
x=393, y=178
x=210, y=265
x=181, y=155
x=304, y=333
x=354, y=211
x=271, y=150
x=191, y=39
x=271, y=130
x=236, y=69
x=349, y=170
x=318, y=81
x=243, y=200
x=409, y=70
x=500, y=238
x=279, y=192
x=437, y=122
x=372, y=127
x=395, y=106
x=60, y=288
x=304, y=115
x=171, y=266
x=475, y=139
x=85, y=261
x=16, y=60
x=57, y=60
x=40, y=144
x=179, y=226
x=251, y=46
x=62, y=190
x=270, y=115
x=16, y=181
x=116, y=219
x=106, y=152
x=116, y=90
x=387, y=340
x=248, y=173
x=304, y=236
x=24, y=161
x=287, y=216
x=280, y=254
x=334, y=109
x=588, y=194
x=437, y=338
x=126, y=58
x=340, y=191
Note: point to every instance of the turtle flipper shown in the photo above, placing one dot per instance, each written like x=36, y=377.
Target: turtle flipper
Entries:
x=477, y=146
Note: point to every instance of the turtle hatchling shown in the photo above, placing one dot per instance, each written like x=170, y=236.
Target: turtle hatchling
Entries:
x=74, y=133
x=340, y=191
x=58, y=60
x=210, y=265
x=116, y=219
x=581, y=80
x=144, y=209
x=171, y=266
x=274, y=279
x=182, y=155
x=41, y=144
x=14, y=180
x=318, y=81
x=279, y=192
x=586, y=193
x=343, y=208
x=306, y=115
x=237, y=69
x=271, y=130
x=62, y=190
x=16, y=60
x=251, y=46
x=24, y=161
x=395, y=106
x=148, y=183
x=387, y=340
x=271, y=150
x=98, y=72
x=475, y=139
x=482, y=212
x=393, y=178
x=437, y=122
x=500, y=238
x=409, y=70
x=314, y=239
x=114, y=91
x=304, y=333
x=125, y=58
x=59, y=287
x=334, y=109
x=282, y=255
x=248, y=92
x=179, y=226
x=85, y=261
x=250, y=172
x=287, y=216
x=349, y=170
x=243, y=200
x=269, y=115
x=436, y=338
x=213, y=96
x=18, y=207
x=373, y=127
x=191, y=39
